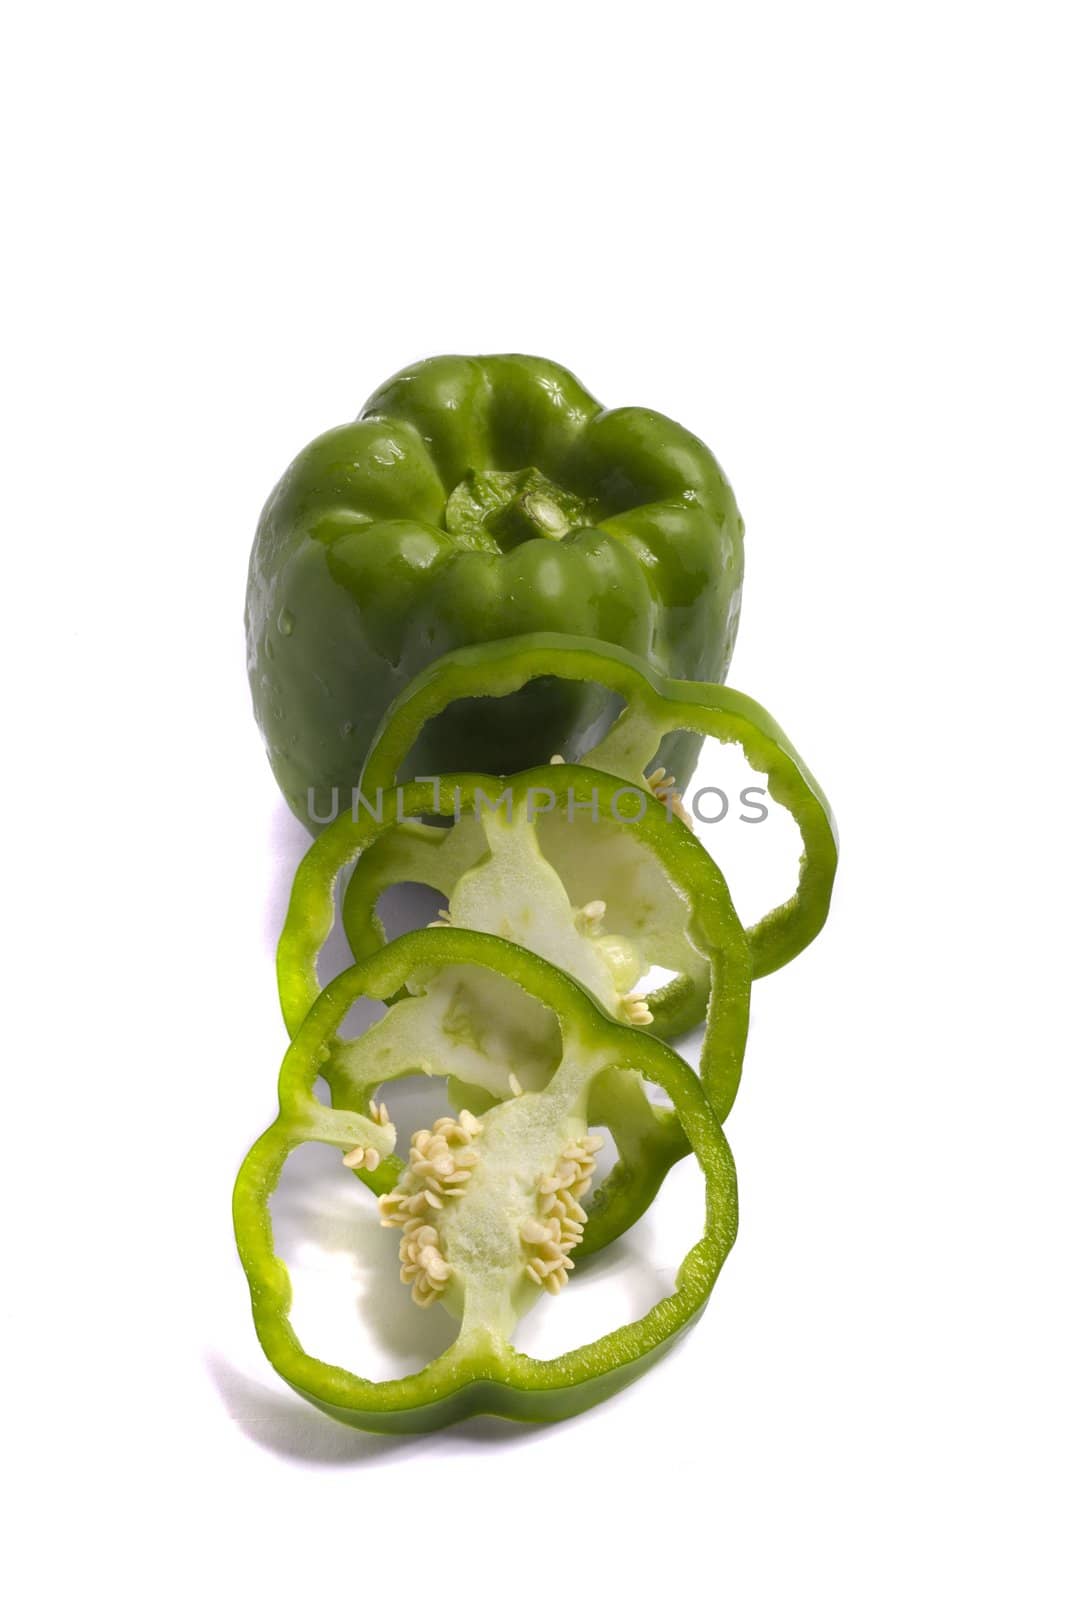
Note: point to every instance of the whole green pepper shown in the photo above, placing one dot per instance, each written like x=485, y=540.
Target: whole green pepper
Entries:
x=476, y=499
x=489, y=1206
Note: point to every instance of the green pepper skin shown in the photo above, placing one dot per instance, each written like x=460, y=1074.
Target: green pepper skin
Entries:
x=419, y=528
x=490, y=1375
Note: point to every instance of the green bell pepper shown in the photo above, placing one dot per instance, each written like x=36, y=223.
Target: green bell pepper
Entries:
x=650, y=710
x=476, y=499
x=488, y=1207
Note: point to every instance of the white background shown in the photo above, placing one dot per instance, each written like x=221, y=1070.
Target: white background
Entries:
x=829, y=239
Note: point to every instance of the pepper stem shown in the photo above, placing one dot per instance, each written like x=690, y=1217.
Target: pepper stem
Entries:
x=529, y=516
x=503, y=509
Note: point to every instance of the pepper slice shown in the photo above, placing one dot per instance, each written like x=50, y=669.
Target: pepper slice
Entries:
x=671, y=903
x=612, y=908
x=653, y=708
x=488, y=1207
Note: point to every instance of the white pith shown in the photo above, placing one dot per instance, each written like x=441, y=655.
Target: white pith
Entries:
x=465, y=1023
x=516, y=894
x=618, y=890
x=489, y=1207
